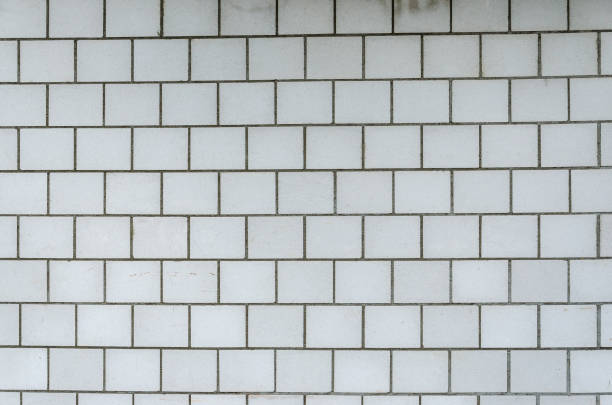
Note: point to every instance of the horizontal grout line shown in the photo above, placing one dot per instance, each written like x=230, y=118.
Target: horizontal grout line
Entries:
x=300, y=259
x=307, y=35
x=317, y=125
x=353, y=214
x=329, y=170
x=313, y=304
x=301, y=348
x=331, y=393
x=311, y=79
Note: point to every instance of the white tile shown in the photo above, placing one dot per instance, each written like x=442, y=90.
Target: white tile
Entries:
x=480, y=15
x=191, y=17
x=547, y=15
x=392, y=56
x=63, y=24
x=421, y=16
x=510, y=55
x=256, y=18
x=312, y=17
x=450, y=56
x=132, y=18
x=569, y=54
x=349, y=16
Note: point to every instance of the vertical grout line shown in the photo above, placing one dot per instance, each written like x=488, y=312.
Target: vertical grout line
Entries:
x=391, y=118
x=509, y=281
x=421, y=236
x=363, y=147
x=450, y=364
x=218, y=281
x=509, y=15
x=304, y=247
x=508, y=372
x=421, y=326
x=131, y=237
x=304, y=326
x=421, y=146
x=450, y=102
x=103, y=18
x=18, y=61
x=47, y=104
x=598, y=52
x=161, y=18
x=161, y=281
x=452, y=191
x=393, y=192
x=74, y=149
x=363, y=326
x=479, y=326
x=538, y=326
x=569, y=100
x=599, y=144
x=103, y=192
x=47, y=11
x=598, y=235
x=246, y=148
x=218, y=29
x=103, y=104
x=304, y=146
x=569, y=285
x=48, y=275
x=363, y=57
x=75, y=56
x=246, y=237
x=538, y=237
x=479, y=236
x=132, y=325
x=422, y=55
x=333, y=281
x=276, y=33
x=363, y=236
x=218, y=104
x=160, y=104
x=275, y=102
x=189, y=59
x=480, y=54
x=539, y=145
x=567, y=14
x=48, y=192
x=189, y=149
x=247, y=57
x=19, y=323
x=450, y=15
x=568, y=368
x=161, y=193
x=74, y=239
x=131, y=60
x=76, y=325
x=333, y=83
x=18, y=149
x=480, y=146
x=450, y=281
x=509, y=100
x=218, y=193
x=539, y=54
x=335, y=16
x=569, y=189
x=246, y=325
x=392, y=286
x=510, y=192
x=276, y=281
x=305, y=46
x=598, y=307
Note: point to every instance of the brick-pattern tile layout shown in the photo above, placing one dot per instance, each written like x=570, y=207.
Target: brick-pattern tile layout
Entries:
x=305, y=202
